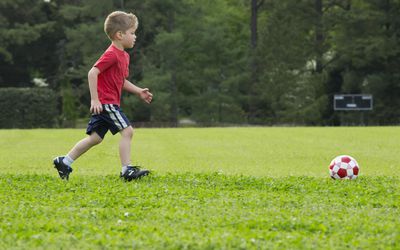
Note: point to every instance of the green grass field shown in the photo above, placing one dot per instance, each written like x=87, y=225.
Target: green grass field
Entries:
x=211, y=188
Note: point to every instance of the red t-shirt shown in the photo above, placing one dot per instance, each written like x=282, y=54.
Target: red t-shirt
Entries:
x=114, y=69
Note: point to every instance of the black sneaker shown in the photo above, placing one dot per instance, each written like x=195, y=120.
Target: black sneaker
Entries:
x=134, y=172
x=62, y=169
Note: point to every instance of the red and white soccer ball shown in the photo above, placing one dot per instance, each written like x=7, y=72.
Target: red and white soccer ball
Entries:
x=344, y=167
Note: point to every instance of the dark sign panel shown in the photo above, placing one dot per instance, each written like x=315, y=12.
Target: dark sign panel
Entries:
x=352, y=102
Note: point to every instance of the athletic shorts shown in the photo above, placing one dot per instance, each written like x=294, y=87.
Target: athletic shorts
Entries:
x=111, y=118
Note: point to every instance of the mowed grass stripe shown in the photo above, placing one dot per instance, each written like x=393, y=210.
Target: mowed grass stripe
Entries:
x=252, y=151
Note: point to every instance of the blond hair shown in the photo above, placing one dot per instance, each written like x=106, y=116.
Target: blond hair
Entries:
x=119, y=21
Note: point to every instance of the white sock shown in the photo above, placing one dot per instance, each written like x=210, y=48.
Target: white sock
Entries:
x=124, y=169
x=68, y=160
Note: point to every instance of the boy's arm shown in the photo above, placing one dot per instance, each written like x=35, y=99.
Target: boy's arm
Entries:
x=95, y=104
x=144, y=94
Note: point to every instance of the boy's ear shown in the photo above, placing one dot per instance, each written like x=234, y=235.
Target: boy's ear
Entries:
x=118, y=35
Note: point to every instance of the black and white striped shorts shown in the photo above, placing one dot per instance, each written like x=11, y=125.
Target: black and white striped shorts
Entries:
x=111, y=118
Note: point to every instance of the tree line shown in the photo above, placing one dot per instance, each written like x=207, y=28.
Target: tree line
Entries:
x=226, y=61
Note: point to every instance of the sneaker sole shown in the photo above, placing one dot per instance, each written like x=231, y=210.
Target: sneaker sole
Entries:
x=146, y=173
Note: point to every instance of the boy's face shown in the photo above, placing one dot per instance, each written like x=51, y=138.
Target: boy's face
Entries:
x=128, y=38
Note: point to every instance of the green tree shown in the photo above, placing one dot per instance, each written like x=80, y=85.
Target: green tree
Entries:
x=216, y=61
x=368, y=44
x=197, y=61
x=69, y=110
x=29, y=35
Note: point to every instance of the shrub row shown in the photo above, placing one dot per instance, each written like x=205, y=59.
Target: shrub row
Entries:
x=28, y=108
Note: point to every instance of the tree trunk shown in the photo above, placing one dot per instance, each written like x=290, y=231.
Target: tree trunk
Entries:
x=319, y=37
x=253, y=24
x=173, y=86
x=255, y=5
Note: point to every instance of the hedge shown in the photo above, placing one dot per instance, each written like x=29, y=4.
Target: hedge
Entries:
x=28, y=108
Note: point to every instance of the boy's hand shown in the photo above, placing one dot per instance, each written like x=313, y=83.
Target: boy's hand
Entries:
x=145, y=95
x=96, y=107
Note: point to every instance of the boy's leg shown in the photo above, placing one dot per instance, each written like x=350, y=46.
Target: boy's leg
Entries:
x=84, y=145
x=117, y=122
x=125, y=146
x=63, y=164
x=128, y=172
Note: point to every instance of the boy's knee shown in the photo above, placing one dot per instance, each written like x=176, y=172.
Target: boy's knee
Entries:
x=127, y=132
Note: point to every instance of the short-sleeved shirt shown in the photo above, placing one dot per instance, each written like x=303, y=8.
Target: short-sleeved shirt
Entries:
x=114, y=69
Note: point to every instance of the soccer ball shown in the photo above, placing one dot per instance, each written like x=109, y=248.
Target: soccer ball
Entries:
x=344, y=167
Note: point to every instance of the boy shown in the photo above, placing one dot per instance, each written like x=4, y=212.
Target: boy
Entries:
x=107, y=78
